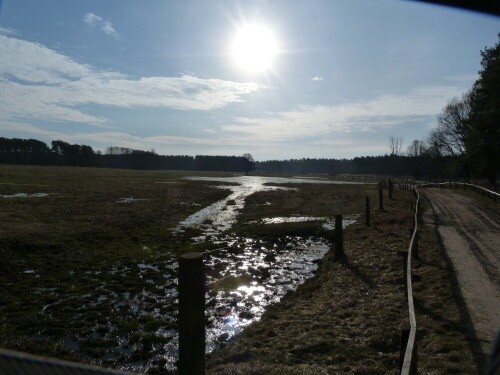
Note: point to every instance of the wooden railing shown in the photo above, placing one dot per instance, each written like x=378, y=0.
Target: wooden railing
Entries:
x=457, y=185
x=409, y=339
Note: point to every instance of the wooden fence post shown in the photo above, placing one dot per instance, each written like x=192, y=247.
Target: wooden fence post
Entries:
x=191, y=314
x=390, y=187
x=380, y=199
x=404, y=336
x=367, y=211
x=339, y=237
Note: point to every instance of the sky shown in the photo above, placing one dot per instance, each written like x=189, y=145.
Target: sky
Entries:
x=322, y=79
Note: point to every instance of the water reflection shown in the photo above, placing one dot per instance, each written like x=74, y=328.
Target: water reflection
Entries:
x=221, y=215
x=244, y=277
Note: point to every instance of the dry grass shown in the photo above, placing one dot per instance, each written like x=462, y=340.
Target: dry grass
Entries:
x=346, y=320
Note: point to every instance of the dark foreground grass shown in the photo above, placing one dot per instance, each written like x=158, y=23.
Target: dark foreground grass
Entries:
x=83, y=240
x=347, y=319
x=67, y=258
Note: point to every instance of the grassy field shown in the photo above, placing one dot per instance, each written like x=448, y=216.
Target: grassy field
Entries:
x=347, y=319
x=84, y=240
x=88, y=238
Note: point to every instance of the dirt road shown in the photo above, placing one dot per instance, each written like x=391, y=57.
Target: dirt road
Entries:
x=471, y=237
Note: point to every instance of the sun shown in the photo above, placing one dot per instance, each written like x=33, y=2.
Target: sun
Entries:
x=254, y=48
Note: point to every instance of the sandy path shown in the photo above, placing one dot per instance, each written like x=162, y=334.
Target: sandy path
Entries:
x=471, y=237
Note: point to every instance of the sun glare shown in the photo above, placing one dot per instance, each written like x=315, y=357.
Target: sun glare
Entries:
x=254, y=48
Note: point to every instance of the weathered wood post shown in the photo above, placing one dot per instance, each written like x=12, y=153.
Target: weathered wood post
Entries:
x=380, y=198
x=390, y=188
x=367, y=211
x=191, y=314
x=339, y=237
x=404, y=336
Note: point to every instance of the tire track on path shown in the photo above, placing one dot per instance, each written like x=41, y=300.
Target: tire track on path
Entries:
x=471, y=238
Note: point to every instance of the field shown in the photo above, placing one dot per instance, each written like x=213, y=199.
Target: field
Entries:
x=86, y=271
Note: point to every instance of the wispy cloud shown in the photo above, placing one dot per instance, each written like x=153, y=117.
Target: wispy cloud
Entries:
x=381, y=112
x=37, y=82
x=317, y=78
x=6, y=31
x=108, y=138
x=95, y=21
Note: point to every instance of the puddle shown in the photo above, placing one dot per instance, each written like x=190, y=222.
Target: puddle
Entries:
x=221, y=215
x=328, y=223
x=315, y=178
x=271, y=270
x=130, y=200
x=265, y=272
x=25, y=195
x=293, y=219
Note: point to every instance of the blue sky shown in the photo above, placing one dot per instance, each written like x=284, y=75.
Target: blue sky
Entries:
x=347, y=74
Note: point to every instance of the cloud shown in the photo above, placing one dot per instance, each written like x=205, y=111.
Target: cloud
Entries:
x=317, y=79
x=35, y=63
x=37, y=82
x=108, y=138
x=382, y=112
x=6, y=31
x=19, y=127
x=94, y=21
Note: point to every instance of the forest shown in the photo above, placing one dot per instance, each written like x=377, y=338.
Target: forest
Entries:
x=35, y=152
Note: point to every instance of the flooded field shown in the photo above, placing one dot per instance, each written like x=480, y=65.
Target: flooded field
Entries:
x=118, y=308
x=221, y=215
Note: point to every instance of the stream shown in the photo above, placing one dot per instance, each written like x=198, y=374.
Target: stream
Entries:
x=243, y=277
x=266, y=270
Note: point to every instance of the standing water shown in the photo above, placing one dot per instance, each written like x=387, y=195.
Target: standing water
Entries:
x=243, y=279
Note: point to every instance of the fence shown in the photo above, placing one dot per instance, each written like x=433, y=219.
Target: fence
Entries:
x=453, y=184
x=408, y=355
x=191, y=298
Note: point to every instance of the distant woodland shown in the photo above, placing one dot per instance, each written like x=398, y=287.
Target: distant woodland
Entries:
x=32, y=151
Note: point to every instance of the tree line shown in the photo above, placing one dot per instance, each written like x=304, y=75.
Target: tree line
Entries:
x=32, y=151
x=468, y=131
x=407, y=165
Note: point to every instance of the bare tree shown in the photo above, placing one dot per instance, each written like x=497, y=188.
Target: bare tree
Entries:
x=416, y=148
x=395, y=145
x=454, y=126
x=250, y=164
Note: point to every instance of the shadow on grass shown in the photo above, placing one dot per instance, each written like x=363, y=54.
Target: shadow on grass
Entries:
x=357, y=271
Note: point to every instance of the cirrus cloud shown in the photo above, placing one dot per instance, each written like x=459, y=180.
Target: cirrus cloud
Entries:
x=94, y=21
